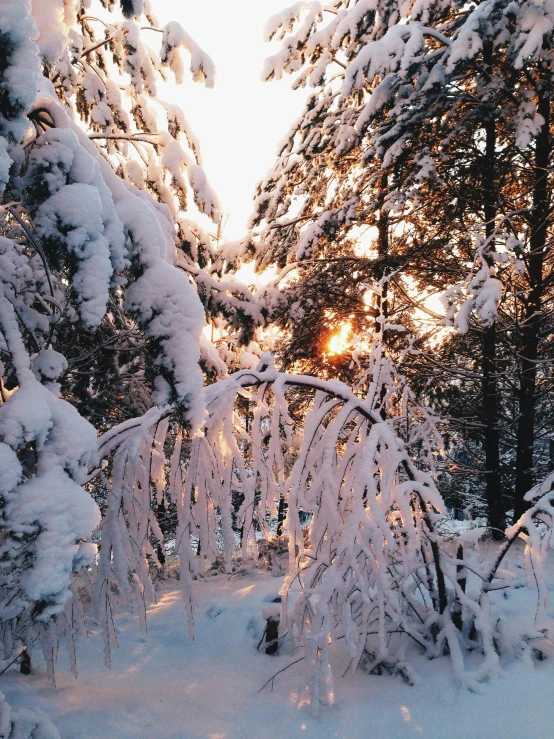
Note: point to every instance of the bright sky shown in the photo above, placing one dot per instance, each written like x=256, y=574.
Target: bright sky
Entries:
x=242, y=120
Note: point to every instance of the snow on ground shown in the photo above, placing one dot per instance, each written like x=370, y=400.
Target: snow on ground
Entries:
x=163, y=685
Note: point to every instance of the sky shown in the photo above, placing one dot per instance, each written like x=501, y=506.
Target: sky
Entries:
x=241, y=121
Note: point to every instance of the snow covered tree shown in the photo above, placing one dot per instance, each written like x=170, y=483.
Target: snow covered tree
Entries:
x=94, y=188
x=99, y=253
x=46, y=445
x=371, y=574
x=420, y=120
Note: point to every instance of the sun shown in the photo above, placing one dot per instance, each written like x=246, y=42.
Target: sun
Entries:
x=340, y=342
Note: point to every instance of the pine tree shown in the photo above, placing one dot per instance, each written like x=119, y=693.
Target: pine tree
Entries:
x=92, y=216
x=403, y=119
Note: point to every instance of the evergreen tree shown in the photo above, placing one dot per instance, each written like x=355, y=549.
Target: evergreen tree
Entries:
x=430, y=132
x=92, y=217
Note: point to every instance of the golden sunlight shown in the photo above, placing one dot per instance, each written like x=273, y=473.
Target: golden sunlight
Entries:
x=339, y=342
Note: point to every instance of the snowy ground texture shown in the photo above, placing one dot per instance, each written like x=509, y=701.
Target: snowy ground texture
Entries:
x=163, y=685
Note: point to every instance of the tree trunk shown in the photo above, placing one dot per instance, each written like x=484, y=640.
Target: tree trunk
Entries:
x=532, y=314
x=281, y=514
x=25, y=663
x=272, y=636
x=382, y=300
x=495, y=506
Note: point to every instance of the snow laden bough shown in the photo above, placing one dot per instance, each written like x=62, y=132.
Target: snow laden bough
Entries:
x=22, y=723
x=372, y=579
x=376, y=576
x=77, y=244
x=89, y=246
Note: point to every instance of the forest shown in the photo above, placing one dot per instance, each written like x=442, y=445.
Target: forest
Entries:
x=299, y=483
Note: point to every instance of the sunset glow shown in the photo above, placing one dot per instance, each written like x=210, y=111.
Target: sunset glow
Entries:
x=339, y=342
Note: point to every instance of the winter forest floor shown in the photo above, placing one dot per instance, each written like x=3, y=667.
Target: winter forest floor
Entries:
x=163, y=685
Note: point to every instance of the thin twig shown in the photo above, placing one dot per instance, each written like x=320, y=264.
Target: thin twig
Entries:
x=14, y=660
x=271, y=679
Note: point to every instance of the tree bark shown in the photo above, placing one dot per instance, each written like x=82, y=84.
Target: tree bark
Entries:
x=493, y=481
x=382, y=300
x=25, y=663
x=495, y=505
x=281, y=514
x=272, y=636
x=532, y=313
